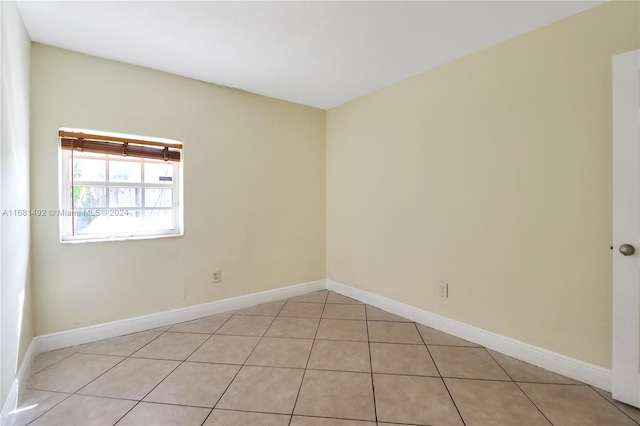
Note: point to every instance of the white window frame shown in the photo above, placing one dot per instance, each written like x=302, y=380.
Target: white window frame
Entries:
x=65, y=215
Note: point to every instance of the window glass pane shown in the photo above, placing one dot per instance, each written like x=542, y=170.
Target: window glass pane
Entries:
x=124, y=171
x=88, y=197
x=86, y=225
x=125, y=197
x=85, y=221
x=109, y=223
x=103, y=222
x=158, y=197
x=89, y=170
x=83, y=154
x=158, y=173
x=158, y=220
x=129, y=222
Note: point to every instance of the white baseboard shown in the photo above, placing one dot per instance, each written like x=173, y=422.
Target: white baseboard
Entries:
x=17, y=387
x=79, y=336
x=552, y=361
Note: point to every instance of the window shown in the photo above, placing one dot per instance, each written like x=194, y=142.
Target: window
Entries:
x=118, y=187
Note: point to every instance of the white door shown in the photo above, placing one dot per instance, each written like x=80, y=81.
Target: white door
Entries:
x=626, y=228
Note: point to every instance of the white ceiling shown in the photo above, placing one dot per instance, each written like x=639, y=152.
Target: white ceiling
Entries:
x=320, y=54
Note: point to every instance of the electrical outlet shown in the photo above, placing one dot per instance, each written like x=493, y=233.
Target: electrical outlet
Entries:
x=215, y=277
x=444, y=290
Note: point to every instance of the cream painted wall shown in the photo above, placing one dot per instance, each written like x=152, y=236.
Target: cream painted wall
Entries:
x=16, y=329
x=254, y=189
x=492, y=173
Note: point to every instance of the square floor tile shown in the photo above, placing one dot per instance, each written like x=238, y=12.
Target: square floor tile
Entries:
x=393, y=332
x=466, y=363
x=86, y=411
x=523, y=372
x=122, y=345
x=146, y=413
x=133, y=378
x=340, y=356
x=483, y=402
x=281, y=352
x=244, y=418
x=574, y=405
x=175, y=346
x=33, y=404
x=302, y=310
x=630, y=411
x=207, y=325
x=263, y=389
x=195, y=384
x=343, y=311
x=246, y=325
x=270, y=309
x=414, y=400
x=323, y=421
x=336, y=394
x=338, y=298
x=303, y=328
x=47, y=359
x=331, y=329
x=72, y=373
x=375, y=314
x=225, y=349
x=432, y=336
x=315, y=297
x=396, y=358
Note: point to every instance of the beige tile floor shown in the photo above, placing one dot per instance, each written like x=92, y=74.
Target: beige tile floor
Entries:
x=318, y=359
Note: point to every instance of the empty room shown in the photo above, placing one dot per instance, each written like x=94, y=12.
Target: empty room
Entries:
x=332, y=213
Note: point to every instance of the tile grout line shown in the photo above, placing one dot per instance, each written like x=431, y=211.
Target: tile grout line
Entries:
x=373, y=385
x=95, y=378
x=305, y=369
x=59, y=361
x=440, y=374
x=79, y=351
x=619, y=409
x=211, y=335
x=518, y=386
x=330, y=340
x=221, y=395
x=179, y=364
x=293, y=409
x=54, y=406
x=246, y=359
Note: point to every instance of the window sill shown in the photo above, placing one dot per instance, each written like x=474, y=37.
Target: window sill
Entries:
x=120, y=238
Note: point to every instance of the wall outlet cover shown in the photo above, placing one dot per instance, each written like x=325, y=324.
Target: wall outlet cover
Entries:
x=444, y=290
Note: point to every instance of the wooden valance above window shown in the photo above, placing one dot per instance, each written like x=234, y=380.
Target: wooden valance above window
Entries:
x=113, y=145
